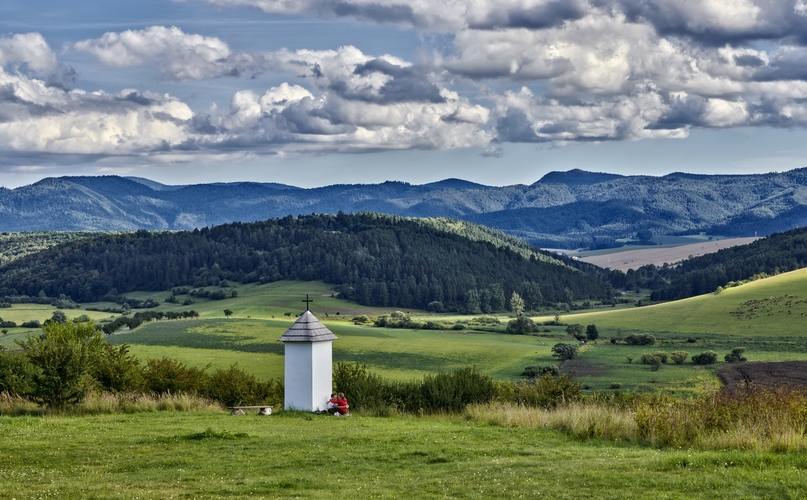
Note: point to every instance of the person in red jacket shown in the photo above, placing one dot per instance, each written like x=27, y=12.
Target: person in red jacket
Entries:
x=331, y=403
x=340, y=405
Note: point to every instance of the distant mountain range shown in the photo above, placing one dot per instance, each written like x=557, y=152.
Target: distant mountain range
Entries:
x=563, y=209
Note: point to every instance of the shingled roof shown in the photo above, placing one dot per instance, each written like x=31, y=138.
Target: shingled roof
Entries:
x=307, y=328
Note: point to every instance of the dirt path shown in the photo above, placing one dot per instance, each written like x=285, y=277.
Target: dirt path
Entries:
x=634, y=259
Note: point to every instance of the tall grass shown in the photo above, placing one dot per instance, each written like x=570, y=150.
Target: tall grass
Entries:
x=110, y=403
x=754, y=419
x=582, y=419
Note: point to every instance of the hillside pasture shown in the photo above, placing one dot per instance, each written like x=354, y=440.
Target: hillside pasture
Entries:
x=770, y=308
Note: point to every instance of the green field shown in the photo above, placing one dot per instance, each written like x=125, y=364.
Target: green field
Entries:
x=768, y=317
x=215, y=455
x=395, y=353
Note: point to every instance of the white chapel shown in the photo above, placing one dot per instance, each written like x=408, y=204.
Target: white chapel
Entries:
x=308, y=363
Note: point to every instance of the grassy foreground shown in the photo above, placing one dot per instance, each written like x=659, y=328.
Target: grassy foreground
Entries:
x=214, y=455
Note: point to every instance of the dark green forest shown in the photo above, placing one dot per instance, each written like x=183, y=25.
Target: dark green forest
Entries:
x=374, y=259
x=780, y=252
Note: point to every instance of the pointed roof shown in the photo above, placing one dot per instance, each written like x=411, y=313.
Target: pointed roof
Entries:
x=307, y=328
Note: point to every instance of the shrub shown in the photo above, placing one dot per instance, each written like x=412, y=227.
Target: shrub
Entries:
x=453, y=391
x=234, y=386
x=615, y=385
x=537, y=371
x=652, y=359
x=647, y=358
x=63, y=358
x=543, y=392
x=679, y=357
x=662, y=356
x=736, y=355
x=640, y=339
x=522, y=325
x=443, y=392
x=692, y=340
x=458, y=326
x=34, y=323
x=16, y=373
x=630, y=358
x=565, y=351
x=592, y=333
x=366, y=391
x=705, y=358
x=118, y=371
x=166, y=375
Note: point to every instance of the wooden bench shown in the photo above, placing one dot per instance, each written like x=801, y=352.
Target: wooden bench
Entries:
x=239, y=410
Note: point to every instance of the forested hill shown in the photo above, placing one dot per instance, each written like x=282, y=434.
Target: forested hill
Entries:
x=561, y=210
x=777, y=253
x=373, y=259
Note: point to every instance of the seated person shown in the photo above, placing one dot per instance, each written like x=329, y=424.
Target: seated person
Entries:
x=331, y=403
x=340, y=406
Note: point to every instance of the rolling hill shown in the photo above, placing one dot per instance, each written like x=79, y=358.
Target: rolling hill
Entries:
x=374, y=259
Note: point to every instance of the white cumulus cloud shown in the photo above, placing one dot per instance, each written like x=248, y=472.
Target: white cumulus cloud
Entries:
x=183, y=56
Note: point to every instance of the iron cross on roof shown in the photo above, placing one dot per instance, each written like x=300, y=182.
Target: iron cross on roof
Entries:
x=307, y=301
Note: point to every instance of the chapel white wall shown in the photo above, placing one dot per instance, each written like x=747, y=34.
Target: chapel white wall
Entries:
x=308, y=375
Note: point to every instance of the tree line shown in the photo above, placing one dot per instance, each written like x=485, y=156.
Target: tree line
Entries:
x=374, y=259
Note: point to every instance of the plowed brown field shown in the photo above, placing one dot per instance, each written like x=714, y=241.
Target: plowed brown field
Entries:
x=766, y=375
x=634, y=259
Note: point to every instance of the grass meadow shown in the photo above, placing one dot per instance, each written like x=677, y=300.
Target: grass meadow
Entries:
x=290, y=455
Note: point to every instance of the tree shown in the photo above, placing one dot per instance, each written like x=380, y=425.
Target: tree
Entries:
x=576, y=331
x=565, y=351
x=63, y=358
x=644, y=235
x=516, y=304
x=435, y=306
x=531, y=293
x=496, y=299
x=473, y=302
x=592, y=333
x=59, y=316
x=228, y=313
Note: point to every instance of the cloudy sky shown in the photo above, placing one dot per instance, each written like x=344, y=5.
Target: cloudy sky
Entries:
x=316, y=92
